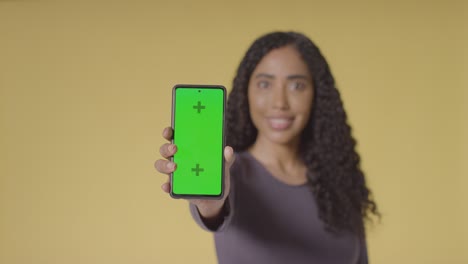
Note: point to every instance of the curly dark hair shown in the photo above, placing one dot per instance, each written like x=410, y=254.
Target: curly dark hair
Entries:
x=327, y=146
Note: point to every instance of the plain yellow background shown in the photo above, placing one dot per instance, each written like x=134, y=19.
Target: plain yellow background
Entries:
x=85, y=91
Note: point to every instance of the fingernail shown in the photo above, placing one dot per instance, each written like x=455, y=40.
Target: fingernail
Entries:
x=172, y=148
x=228, y=151
x=170, y=165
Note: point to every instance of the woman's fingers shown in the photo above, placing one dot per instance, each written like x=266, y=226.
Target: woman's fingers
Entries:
x=229, y=156
x=165, y=166
x=168, y=133
x=167, y=150
x=166, y=187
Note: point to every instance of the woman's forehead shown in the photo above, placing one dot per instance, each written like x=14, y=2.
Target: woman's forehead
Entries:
x=283, y=62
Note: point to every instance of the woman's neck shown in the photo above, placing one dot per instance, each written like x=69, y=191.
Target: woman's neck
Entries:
x=281, y=160
x=283, y=156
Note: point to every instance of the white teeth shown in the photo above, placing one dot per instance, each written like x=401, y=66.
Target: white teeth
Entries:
x=280, y=123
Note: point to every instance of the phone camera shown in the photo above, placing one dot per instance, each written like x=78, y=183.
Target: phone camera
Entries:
x=199, y=91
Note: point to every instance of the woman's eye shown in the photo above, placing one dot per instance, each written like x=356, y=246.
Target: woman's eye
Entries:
x=263, y=84
x=297, y=86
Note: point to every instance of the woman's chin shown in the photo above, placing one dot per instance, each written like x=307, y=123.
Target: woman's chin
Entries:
x=282, y=138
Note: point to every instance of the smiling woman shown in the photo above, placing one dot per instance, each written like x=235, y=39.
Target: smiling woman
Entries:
x=296, y=192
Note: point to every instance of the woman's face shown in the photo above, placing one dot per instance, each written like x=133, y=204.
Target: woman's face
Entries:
x=280, y=96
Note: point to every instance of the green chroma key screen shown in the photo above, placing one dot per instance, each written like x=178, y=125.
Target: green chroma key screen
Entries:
x=197, y=120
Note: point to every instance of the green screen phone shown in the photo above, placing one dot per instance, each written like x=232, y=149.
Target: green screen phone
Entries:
x=198, y=124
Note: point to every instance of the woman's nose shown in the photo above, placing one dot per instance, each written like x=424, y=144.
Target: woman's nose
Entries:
x=280, y=98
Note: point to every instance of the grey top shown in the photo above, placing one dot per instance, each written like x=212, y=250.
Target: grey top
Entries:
x=271, y=222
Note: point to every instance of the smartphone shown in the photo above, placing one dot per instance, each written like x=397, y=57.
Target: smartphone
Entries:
x=198, y=124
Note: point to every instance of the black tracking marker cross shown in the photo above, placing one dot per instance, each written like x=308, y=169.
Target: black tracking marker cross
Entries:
x=197, y=169
x=199, y=107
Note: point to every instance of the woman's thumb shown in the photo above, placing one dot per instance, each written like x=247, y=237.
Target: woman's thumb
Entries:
x=229, y=156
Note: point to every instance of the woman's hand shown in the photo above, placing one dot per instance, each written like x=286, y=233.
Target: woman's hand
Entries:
x=209, y=209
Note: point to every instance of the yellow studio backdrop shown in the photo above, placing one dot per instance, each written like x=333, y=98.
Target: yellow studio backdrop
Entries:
x=85, y=91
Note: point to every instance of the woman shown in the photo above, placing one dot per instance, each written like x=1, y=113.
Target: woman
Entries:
x=296, y=194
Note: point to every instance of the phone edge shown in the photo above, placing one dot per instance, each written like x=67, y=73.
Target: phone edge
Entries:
x=223, y=182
